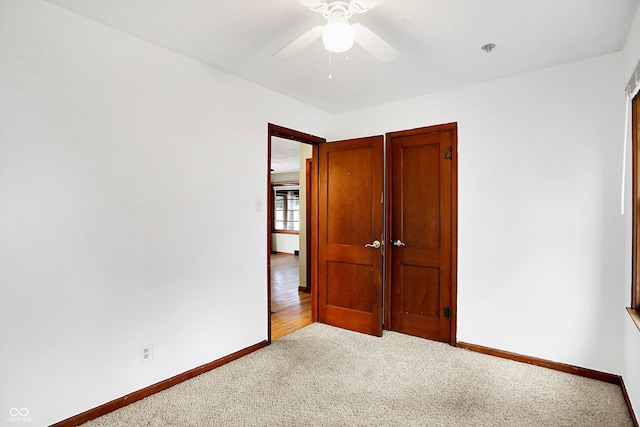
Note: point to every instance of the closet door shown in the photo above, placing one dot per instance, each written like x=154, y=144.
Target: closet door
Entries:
x=421, y=231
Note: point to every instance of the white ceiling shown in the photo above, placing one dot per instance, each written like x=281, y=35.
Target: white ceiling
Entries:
x=438, y=41
x=285, y=155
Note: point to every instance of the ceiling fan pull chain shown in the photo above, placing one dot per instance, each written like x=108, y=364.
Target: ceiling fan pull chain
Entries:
x=330, y=75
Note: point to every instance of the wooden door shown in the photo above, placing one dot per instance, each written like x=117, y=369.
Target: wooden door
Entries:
x=350, y=217
x=421, y=231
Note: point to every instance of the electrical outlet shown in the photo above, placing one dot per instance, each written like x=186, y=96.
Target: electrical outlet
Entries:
x=146, y=353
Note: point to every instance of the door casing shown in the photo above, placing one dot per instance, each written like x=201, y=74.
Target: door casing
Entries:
x=315, y=141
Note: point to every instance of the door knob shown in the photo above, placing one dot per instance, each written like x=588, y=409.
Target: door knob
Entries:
x=376, y=244
x=398, y=243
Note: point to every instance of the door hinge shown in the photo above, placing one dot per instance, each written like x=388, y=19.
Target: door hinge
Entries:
x=447, y=312
x=448, y=153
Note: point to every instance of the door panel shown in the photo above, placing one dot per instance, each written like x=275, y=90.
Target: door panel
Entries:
x=357, y=278
x=350, y=216
x=421, y=218
x=349, y=190
x=420, y=168
x=420, y=291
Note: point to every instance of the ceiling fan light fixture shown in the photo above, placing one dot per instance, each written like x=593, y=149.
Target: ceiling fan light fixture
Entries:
x=338, y=35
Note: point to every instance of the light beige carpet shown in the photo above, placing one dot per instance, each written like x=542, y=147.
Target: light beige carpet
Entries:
x=325, y=376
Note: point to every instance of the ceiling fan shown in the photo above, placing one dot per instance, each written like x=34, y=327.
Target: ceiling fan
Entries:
x=338, y=35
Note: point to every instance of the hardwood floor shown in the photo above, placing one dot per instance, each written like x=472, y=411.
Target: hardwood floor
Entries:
x=290, y=309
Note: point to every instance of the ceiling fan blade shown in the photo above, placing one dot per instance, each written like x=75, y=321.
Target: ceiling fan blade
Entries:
x=361, y=6
x=374, y=44
x=300, y=43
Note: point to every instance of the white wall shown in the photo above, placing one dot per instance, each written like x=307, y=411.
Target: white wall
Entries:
x=118, y=223
x=631, y=350
x=285, y=243
x=285, y=177
x=541, y=259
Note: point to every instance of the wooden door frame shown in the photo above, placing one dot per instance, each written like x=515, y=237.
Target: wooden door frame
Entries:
x=453, y=128
x=315, y=141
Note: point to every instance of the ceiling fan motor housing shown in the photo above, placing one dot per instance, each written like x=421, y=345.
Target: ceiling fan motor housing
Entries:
x=332, y=8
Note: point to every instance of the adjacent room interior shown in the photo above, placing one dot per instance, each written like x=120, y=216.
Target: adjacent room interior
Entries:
x=290, y=241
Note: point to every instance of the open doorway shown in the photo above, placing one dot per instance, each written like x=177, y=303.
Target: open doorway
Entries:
x=290, y=229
